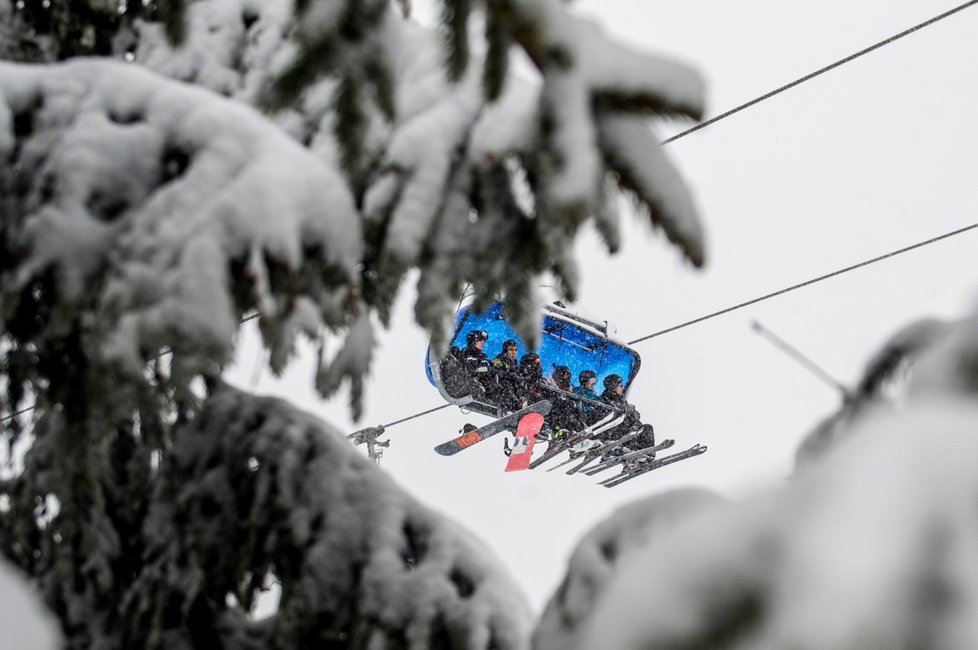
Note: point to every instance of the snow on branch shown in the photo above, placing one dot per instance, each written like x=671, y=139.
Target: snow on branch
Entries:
x=558, y=137
x=611, y=547
x=587, y=77
x=641, y=167
x=26, y=623
x=161, y=214
x=422, y=148
x=949, y=364
x=871, y=547
x=900, y=352
x=281, y=495
x=373, y=94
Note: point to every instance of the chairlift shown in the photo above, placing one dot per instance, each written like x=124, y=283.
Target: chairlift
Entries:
x=566, y=339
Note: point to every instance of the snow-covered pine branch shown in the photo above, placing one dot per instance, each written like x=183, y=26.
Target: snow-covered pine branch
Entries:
x=609, y=548
x=278, y=494
x=26, y=623
x=152, y=215
x=871, y=547
x=949, y=362
x=901, y=351
x=424, y=148
x=142, y=216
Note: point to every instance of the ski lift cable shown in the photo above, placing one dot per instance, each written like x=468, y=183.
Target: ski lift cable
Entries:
x=806, y=283
x=416, y=415
x=821, y=71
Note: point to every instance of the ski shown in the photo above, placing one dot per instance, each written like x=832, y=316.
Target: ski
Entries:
x=624, y=458
x=627, y=475
x=594, y=454
x=526, y=436
x=573, y=457
x=590, y=454
x=611, y=420
x=469, y=438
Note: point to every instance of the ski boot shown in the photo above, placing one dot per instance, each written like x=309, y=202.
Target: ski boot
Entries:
x=546, y=434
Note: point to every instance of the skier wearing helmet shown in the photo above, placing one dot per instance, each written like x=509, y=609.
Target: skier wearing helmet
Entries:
x=614, y=389
x=564, y=415
x=530, y=368
x=585, y=388
x=471, y=377
x=614, y=395
x=457, y=369
x=473, y=357
x=506, y=387
x=586, y=382
x=560, y=378
x=506, y=359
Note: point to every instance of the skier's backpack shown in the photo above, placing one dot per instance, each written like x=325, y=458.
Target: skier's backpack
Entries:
x=454, y=378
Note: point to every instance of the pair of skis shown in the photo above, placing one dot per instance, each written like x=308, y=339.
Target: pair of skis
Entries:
x=609, y=421
x=590, y=455
x=527, y=422
x=638, y=469
x=606, y=460
x=633, y=464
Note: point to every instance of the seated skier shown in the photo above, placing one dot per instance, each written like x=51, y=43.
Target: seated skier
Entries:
x=506, y=359
x=560, y=379
x=505, y=387
x=473, y=357
x=464, y=371
x=564, y=416
x=585, y=388
x=531, y=374
x=614, y=395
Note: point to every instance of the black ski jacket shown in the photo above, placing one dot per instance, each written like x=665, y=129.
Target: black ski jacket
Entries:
x=473, y=359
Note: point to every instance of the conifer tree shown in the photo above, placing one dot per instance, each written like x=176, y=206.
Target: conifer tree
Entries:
x=171, y=168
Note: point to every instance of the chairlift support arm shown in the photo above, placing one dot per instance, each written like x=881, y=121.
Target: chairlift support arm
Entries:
x=810, y=365
x=369, y=437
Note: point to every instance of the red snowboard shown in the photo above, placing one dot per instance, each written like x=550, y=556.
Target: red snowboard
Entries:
x=526, y=436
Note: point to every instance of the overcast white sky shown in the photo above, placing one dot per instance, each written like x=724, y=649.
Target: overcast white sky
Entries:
x=866, y=159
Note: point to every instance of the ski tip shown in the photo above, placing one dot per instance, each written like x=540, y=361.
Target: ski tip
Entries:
x=446, y=449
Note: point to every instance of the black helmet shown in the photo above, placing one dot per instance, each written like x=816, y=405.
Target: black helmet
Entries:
x=530, y=359
x=530, y=366
x=585, y=376
x=509, y=343
x=476, y=335
x=612, y=381
x=562, y=374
